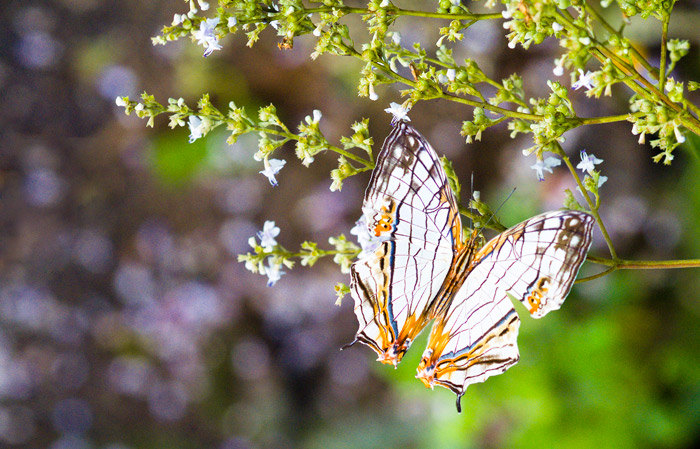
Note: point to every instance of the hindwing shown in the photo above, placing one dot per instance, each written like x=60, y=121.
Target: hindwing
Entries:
x=476, y=335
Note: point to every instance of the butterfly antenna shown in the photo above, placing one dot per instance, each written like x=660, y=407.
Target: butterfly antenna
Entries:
x=499, y=207
x=471, y=195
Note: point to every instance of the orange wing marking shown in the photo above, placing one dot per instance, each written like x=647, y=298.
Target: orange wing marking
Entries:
x=534, y=299
x=386, y=218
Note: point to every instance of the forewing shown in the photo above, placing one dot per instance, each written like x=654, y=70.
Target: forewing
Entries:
x=536, y=262
x=409, y=205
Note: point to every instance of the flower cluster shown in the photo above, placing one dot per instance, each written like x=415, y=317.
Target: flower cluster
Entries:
x=266, y=250
x=594, y=54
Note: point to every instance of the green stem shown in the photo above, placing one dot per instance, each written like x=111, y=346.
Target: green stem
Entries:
x=637, y=55
x=595, y=276
x=289, y=136
x=477, y=104
x=620, y=264
x=662, y=64
x=407, y=12
x=592, y=206
x=607, y=119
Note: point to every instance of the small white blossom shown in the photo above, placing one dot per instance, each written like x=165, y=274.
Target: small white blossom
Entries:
x=204, y=5
x=121, y=102
x=367, y=241
x=384, y=4
x=268, y=234
x=396, y=37
x=317, y=30
x=232, y=22
x=451, y=74
x=507, y=14
x=545, y=165
x=317, y=116
x=197, y=127
x=372, y=94
x=272, y=167
x=556, y=27
x=588, y=162
x=558, y=70
x=680, y=138
x=273, y=272
x=584, y=80
x=177, y=20
x=585, y=40
x=442, y=79
x=275, y=24
x=206, y=36
x=399, y=112
x=455, y=2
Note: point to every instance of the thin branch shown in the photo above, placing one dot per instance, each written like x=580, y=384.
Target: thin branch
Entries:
x=620, y=264
x=664, y=39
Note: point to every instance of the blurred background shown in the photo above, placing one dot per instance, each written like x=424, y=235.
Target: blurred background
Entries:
x=127, y=323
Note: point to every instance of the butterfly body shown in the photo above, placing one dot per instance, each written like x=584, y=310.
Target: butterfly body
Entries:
x=423, y=270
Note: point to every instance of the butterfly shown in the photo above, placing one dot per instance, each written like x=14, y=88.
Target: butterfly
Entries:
x=424, y=269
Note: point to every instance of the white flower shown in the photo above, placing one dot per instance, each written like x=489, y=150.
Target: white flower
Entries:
x=204, y=5
x=545, y=165
x=507, y=14
x=177, y=20
x=584, y=80
x=455, y=2
x=680, y=138
x=317, y=30
x=585, y=40
x=273, y=272
x=232, y=22
x=384, y=4
x=588, y=162
x=121, y=102
x=272, y=167
x=367, y=241
x=558, y=70
x=396, y=37
x=372, y=94
x=451, y=73
x=197, y=127
x=206, y=36
x=268, y=234
x=317, y=116
x=399, y=112
x=556, y=27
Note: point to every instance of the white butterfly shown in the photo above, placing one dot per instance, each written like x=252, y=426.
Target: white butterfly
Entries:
x=424, y=270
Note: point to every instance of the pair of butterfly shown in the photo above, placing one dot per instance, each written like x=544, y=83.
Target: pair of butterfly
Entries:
x=425, y=270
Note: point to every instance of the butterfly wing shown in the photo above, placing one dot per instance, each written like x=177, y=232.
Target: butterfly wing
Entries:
x=476, y=336
x=411, y=208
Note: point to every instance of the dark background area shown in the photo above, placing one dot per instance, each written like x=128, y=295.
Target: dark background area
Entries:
x=127, y=323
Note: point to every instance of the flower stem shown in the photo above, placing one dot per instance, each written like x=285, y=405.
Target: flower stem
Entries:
x=664, y=39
